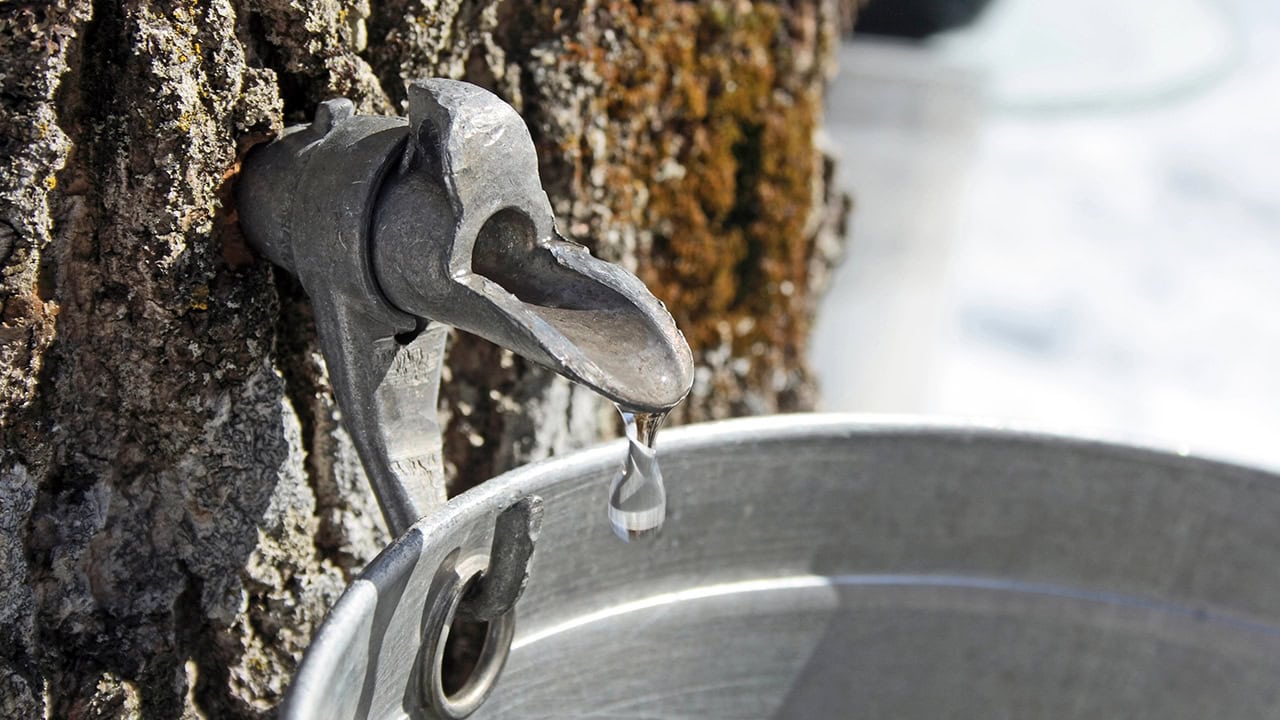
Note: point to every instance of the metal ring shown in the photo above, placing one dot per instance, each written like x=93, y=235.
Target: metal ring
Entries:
x=493, y=656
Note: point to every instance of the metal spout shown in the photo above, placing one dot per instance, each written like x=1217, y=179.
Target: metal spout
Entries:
x=464, y=234
x=396, y=228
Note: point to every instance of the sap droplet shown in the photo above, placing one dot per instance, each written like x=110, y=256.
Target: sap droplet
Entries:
x=638, y=499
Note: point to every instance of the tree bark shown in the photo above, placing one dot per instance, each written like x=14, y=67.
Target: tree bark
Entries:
x=179, y=504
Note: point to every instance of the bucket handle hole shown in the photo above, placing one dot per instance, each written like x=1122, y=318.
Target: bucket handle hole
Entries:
x=465, y=656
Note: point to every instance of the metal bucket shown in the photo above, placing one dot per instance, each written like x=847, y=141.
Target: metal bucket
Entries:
x=829, y=567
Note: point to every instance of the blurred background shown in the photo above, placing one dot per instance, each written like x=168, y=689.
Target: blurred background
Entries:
x=1066, y=216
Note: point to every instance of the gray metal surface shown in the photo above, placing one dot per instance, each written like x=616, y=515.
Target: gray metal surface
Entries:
x=397, y=227
x=503, y=579
x=830, y=567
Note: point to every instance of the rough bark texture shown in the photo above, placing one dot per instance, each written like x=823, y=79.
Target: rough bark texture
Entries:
x=178, y=502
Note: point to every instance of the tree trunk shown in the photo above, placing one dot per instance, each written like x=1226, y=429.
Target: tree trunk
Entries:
x=179, y=504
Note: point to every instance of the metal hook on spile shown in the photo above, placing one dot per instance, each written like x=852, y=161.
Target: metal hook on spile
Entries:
x=481, y=589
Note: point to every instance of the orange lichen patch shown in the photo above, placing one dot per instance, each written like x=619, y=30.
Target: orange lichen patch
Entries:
x=200, y=298
x=710, y=113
